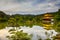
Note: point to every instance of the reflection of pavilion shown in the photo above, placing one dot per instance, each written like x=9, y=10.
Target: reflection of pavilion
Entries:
x=57, y=37
x=47, y=20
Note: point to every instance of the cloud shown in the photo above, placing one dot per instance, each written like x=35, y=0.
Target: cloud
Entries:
x=29, y=6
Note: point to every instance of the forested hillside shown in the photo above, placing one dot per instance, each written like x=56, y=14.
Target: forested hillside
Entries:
x=27, y=20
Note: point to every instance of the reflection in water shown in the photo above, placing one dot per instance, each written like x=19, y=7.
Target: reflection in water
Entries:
x=37, y=31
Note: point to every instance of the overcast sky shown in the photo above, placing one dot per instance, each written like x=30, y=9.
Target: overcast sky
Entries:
x=29, y=6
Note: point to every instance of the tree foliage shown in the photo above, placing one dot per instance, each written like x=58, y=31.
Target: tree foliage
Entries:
x=27, y=20
x=19, y=35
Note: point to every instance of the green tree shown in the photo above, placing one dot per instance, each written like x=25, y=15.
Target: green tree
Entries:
x=19, y=35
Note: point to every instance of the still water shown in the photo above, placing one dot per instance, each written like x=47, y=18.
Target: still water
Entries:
x=36, y=31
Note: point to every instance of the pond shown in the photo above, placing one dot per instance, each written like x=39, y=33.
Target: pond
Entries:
x=36, y=31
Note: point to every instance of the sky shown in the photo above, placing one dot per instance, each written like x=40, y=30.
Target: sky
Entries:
x=29, y=6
